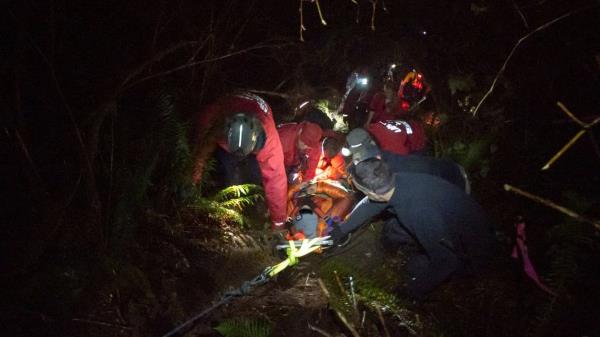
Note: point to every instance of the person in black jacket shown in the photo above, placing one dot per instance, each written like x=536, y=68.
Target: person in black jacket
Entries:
x=450, y=227
x=361, y=146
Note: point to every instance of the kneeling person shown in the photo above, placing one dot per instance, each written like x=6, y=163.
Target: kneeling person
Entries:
x=449, y=226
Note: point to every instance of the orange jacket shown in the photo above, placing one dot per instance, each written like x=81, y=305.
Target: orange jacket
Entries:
x=330, y=201
x=333, y=169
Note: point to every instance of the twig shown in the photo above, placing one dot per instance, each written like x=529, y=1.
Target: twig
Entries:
x=269, y=93
x=574, y=139
x=324, y=288
x=382, y=320
x=118, y=326
x=374, y=4
x=302, y=28
x=501, y=71
x=563, y=149
x=362, y=320
x=340, y=315
x=551, y=204
x=570, y=114
x=209, y=60
x=159, y=56
x=323, y=22
x=339, y=283
x=321, y=331
x=520, y=13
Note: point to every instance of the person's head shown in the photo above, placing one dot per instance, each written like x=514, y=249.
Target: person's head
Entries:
x=309, y=136
x=245, y=134
x=360, y=145
x=306, y=221
x=330, y=147
x=374, y=178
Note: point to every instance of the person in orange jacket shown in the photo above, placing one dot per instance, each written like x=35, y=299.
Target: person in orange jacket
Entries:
x=413, y=90
x=314, y=208
x=241, y=129
x=332, y=164
x=301, y=149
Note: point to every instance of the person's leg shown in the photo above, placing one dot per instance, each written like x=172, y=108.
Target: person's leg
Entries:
x=393, y=235
x=228, y=165
x=250, y=171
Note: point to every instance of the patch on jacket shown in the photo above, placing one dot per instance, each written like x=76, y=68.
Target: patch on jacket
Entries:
x=261, y=102
x=396, y=126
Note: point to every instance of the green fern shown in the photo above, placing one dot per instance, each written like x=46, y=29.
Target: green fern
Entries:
x=245, y=327
x=229, y=203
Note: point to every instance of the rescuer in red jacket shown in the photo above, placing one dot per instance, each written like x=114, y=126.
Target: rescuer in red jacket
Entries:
x=301, y=143
x=399, y=136
x=242, y=131
x=384, y=106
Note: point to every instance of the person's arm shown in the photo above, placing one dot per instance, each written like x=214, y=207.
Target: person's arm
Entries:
x=364, y=211
x=313, y=162
x=270, y=161
x=431, y=233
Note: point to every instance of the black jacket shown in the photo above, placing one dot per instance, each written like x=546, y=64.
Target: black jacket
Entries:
x=448, y=224
x=443, y=168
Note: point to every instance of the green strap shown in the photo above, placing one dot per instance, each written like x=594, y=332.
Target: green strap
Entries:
x=307, y=247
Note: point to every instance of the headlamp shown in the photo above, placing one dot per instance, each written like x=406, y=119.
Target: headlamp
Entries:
x=363, y=81
x=346, y=152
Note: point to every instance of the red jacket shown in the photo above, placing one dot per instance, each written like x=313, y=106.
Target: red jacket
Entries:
x=289, y=134
x=382, y=110
x=270, y=157
x=398, y=136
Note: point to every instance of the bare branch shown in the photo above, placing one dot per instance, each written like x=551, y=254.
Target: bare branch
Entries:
x=374, y=4
x=563, y=150
x=570, y=114
x=340, y=315
x=269, y=93
x=570, y=143
x=302, y=28
x=520, y=13
x=552, y=205
x=209, y=60
x=156, y=58
x=318, y=330
x=323, y=22
x=542, y=27
x=112, y=325
x=382, y=321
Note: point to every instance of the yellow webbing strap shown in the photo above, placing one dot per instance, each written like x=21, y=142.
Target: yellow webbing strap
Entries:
x=307, y=247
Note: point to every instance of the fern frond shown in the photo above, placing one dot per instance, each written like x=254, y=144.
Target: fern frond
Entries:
x=245, y=327
x=242, y=202
x=236, y=191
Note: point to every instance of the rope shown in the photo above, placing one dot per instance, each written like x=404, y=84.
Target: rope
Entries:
x=307, y=247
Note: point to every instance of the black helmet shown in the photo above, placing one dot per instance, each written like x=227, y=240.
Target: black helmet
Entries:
x=244, y=134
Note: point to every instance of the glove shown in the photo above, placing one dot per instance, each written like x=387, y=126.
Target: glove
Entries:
x=338, y=236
